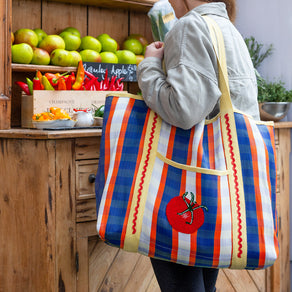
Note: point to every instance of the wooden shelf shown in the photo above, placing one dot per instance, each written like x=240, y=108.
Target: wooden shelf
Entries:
x=143, y=5
x=43, y=68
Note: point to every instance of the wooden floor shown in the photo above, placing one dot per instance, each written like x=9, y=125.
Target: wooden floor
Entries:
x=114, y=270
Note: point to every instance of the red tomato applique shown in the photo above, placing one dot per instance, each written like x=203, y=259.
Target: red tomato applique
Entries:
x=185, y=215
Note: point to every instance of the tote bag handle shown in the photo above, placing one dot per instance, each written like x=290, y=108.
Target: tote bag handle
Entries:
x=219, y=48
x=231, y=149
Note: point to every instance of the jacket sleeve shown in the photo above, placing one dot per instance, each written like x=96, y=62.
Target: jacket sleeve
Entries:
x=188, y=91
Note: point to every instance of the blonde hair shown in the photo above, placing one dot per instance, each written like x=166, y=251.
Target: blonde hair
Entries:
x=230, y=6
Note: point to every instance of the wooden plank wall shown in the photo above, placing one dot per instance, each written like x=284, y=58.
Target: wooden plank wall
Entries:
x=90, y=20
x=53, y=17
x=5, y=68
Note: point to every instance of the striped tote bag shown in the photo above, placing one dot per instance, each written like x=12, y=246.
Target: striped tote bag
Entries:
x=202, y=197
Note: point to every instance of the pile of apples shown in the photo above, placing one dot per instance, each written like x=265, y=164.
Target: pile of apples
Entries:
x=35, y=46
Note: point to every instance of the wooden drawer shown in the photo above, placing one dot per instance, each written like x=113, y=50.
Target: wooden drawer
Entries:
x=86, y=210
x=85, y=178
x=87, y=148
x=85, y=190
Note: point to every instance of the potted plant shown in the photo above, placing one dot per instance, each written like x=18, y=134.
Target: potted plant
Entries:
x=274, y=99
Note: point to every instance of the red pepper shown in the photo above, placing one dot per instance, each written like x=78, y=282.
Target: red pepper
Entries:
x=119, y=85
x=101, y=85
x=86, y=80
x=23, y=86
x=62, y=84
x=112, y=83
x=90, y=83
x=52, y=78
x=78, y=84
x=106, y=80
x=39, y=75
x=90, y=75
x=97, y=85
x=37, y=85
x=69, y=82
x=73, y=77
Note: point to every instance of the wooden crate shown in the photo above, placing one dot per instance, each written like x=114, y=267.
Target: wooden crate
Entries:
x=42, y=100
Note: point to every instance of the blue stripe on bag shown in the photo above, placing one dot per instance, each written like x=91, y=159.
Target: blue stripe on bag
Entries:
x=100, y=178
x=125, y=173
x=171, y=190
x=205, y=236
x=205, y=157
x=267, y=138
x=180, y=147
x=248, y=184
x=164, y=239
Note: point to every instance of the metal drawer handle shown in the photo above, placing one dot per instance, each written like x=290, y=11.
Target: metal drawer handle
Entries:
x=91, y=178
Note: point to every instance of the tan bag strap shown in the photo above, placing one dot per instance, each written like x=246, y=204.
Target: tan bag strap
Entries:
x=219, y=48
x=231, y=149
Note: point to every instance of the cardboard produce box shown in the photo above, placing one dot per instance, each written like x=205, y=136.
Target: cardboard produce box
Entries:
x=42, y=100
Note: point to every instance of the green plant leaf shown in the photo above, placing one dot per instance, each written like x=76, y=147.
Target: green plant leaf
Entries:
x=257, y=51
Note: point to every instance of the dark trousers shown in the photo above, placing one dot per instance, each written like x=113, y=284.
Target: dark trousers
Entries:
x=173, y=277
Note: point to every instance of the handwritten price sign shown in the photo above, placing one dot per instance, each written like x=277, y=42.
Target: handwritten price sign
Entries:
x=128, y=72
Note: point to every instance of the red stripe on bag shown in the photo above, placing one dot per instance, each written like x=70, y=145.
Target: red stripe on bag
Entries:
x=259, y=210
x=139, y=156
x=115, y=168
x=217, y=234
x=211, y=146
x=160, y=193
x=276, y=242
x=193, y=250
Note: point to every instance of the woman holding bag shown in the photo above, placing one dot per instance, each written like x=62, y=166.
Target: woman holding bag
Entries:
x=186, y=91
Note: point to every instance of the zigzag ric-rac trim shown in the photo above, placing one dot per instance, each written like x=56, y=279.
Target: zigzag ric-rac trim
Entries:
x=144, y=173
x=236, y=186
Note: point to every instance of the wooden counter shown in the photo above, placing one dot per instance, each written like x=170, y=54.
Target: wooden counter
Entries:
x=47, y=190
x=55, y=134
x=48, y=216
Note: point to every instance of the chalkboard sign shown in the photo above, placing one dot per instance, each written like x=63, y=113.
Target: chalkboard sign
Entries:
x=127, y=71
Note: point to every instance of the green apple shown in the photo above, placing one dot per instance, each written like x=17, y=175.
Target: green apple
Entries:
x=133, y=45
x=138, y=37
x=40, y=57
x=72, y=41
x=21, y=53
x=40, y=33
x=61, y=57
x=26, y=35
x=102, y=36
x=73, y=30
x=90, y=43
x=52, y=42
x=126, y=57
x=76, y=58
x=90, y=56
x=109, y=57
x=108, y=44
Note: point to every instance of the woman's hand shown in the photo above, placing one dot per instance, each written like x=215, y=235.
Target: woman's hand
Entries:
x=155, y=49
